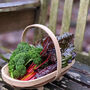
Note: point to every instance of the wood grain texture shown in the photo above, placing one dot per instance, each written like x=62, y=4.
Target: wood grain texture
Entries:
x=18, y=5
x=42, y=18
x=81, y=23
x=66, y=16
x=53, y=15
x=16, y=20
x=83, y=57
x=89, y=53
x=43, y=11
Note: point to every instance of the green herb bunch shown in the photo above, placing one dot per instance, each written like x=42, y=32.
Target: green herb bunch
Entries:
x=22, y=55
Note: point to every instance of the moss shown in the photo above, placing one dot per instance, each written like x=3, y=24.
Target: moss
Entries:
x=85, y=59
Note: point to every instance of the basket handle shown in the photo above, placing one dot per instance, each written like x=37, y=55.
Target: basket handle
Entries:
x=54, y=39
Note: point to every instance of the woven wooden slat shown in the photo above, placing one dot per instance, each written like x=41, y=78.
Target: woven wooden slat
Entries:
x=66, y=16
x=81, y=23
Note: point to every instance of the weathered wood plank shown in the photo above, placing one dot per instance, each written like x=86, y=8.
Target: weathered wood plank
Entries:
x=16, y=20
x=66, y=16
x=83, y=58
x=80, y=73
x=18, y=5
x=42, y=16
x=43, y=11
x=81, y=23
x=53, y=15
x=77, y=78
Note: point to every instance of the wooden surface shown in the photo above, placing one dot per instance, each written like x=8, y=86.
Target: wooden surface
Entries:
x=43, y=11
x=16, y=20
x=41, y=18
x=77, y=78
x=53, y=15
x=18, y=5
x=81, y=24
x=83, y=57
x=17, y=15
x=66, y=16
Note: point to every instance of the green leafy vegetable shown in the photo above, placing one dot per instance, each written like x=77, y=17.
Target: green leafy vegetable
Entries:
x=35, y=54
x=22, y=55
x=22, y=47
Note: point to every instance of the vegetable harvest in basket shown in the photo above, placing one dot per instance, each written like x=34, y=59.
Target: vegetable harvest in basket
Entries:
x=29, y=62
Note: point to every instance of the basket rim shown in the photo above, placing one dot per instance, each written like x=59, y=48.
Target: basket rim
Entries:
x=35, y=83
x=46, y=78
x=54, y=40
x=21, y=80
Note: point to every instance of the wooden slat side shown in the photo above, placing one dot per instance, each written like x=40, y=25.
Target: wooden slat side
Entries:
x=8, y=6
x=43, y=11
x=89, y=7
x=66, y=16
x=42, y=16
x=16, y=20
x=88, y=15
x=89, y=53
x=53, y=15
x=81, y=23
x=83, y=57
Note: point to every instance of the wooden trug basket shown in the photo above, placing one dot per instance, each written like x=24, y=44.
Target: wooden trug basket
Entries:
x=44, y=79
